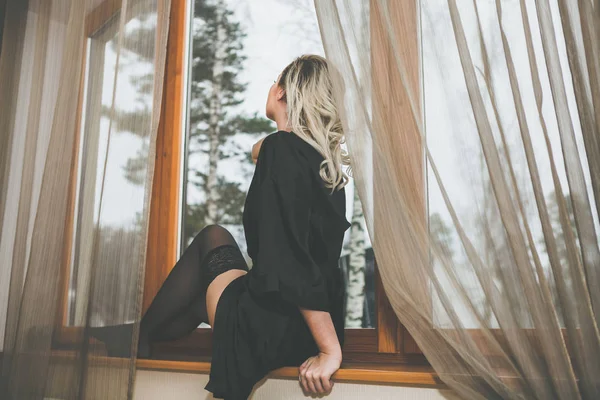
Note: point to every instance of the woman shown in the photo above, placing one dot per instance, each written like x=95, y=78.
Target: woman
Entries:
x=288, y=310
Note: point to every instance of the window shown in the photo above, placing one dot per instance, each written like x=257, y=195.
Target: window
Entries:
x=93, y=155
x=452, y=131
x=256, y=43
x=230, y=76
x=202, y=178
x=92, y=140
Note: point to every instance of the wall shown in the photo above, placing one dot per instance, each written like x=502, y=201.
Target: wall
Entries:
x=156, y=385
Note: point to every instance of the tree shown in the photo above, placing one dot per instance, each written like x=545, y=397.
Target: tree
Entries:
x=356, y=268
x=114, y=275
x=356, y=300
x=561, y=244
x=441, y=234
x=554, y=215
x=217, y=63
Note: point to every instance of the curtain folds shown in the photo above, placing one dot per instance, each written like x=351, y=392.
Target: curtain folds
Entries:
x=473, y=130
x=80, y=94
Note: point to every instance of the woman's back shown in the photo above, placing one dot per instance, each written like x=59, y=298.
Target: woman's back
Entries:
x=293, y=165
x=294, y=231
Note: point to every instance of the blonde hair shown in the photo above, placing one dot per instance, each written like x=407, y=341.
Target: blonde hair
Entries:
x=313, y=115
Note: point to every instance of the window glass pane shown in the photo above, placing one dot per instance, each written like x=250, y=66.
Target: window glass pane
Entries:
x=111, y=171
x=454, y=141
x=238, y=50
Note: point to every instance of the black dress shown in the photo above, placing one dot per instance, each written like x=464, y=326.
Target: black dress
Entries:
x=294, y=230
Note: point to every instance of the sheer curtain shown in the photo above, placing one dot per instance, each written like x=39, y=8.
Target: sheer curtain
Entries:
x=80, y=96
x=473, y=130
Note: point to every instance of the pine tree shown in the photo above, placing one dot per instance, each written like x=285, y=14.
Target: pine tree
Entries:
x=216, y=91
x=441, y=234
x=561, y=244
x=217, y=63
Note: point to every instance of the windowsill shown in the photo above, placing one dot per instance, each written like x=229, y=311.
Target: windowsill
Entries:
x=422, y=376
x=405, y=375
x=400, y=374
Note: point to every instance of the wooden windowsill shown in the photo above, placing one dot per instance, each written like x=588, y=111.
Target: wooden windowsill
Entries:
x=404, y=375
x=422, y=376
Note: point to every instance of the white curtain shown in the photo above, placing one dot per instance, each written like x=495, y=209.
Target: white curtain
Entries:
x=80, y=96
x=473, y=130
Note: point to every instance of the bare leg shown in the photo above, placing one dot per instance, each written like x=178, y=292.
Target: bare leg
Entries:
x=215, y=289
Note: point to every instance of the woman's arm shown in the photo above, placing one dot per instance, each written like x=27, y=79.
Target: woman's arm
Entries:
x=315, y=373
x=256, y=149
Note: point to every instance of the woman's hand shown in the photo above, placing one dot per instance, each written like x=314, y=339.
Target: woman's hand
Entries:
x=315, y=373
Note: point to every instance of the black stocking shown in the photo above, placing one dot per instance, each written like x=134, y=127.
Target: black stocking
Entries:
x=180, y=304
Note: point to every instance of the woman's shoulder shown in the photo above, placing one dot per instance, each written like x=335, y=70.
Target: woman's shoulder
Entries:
x=282, y=156
x=287, y=142
x=289, y=162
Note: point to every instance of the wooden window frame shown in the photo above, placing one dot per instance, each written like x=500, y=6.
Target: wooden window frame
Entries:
x=387, y=344
x=385, y=353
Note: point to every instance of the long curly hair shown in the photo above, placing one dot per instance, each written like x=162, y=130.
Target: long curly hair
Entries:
x=313, y=114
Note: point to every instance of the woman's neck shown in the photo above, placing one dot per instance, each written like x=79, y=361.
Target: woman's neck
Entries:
x=282, y=123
